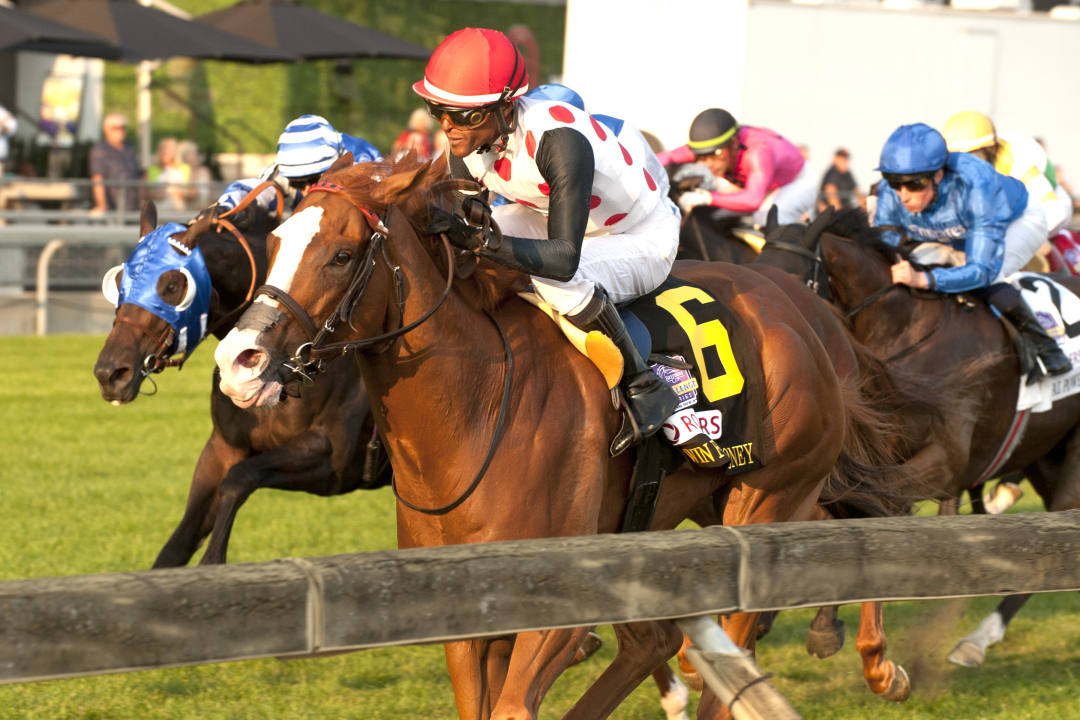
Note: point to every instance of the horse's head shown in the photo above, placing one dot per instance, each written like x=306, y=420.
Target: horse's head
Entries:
x=162, y=293
x=795, y=249
x=317, y=257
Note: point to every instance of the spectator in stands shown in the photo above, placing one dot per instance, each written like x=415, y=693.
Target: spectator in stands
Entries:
x=114, y=158
x=838, y=187
x=417, y=136
x=198, y=195
x=8, y=126
x=171, y=173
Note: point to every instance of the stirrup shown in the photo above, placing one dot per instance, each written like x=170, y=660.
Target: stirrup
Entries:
x=626, y=438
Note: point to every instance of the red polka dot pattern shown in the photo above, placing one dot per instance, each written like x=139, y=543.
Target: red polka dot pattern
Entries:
x=502, y=166
x=599, y=130
x=561, y=114
x=626, y=155
x=614, y=219
x=594, y=202
x=526, y=203
x=649, y=181
x=530, y=144
x=544, y=188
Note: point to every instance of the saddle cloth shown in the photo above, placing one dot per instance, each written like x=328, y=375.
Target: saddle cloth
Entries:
x=1058, y=311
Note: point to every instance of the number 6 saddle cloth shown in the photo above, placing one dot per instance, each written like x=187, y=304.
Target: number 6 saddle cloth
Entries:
x=719, y=420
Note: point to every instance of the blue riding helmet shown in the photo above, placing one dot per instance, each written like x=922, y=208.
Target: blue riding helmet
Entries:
x=913, y=150
x=156, y=254
x=560, y=93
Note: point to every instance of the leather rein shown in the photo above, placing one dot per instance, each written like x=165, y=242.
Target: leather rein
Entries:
x=308, y=359
x=161, y=358
x=813, y=256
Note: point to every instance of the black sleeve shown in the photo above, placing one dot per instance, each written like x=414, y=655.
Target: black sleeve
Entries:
x=565, y=160
x=458, y=169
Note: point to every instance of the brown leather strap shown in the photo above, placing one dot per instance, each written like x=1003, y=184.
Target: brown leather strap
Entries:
x=247, y=248
x=298, y=313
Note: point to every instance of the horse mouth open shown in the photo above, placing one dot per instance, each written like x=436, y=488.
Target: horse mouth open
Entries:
x=243, y=363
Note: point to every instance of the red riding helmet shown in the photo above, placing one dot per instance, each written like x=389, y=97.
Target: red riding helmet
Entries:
x=474, y=67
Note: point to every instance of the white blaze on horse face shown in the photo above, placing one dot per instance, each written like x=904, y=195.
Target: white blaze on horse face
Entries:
x=294, y=235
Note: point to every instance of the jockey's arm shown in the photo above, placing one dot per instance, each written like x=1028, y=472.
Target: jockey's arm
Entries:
x=677, y=156
x=758, y=164
x=565, y=160
x=1038, y=186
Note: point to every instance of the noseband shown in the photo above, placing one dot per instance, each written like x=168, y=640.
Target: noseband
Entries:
x=307, y=360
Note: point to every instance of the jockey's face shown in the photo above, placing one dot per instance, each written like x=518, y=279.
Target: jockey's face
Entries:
x=917, y=200
x=466, y=140
x=721, y=161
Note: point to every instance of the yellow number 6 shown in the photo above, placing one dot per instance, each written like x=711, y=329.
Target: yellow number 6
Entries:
x=712, y=333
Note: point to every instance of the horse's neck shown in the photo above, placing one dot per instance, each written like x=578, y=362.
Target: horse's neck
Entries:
x=436, y=389
x=230, y=268
x=895, y=322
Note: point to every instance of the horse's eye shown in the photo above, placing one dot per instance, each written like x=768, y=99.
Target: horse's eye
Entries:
x=342, y=258
x=171, y=288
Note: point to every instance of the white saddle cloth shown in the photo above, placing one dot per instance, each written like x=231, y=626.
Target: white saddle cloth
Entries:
x=1058, y=318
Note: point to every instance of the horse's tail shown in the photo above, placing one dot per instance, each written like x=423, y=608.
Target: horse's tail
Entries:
x=869, y=478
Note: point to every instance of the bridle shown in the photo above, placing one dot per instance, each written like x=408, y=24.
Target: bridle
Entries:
x=813, y=256
x=307, y=360
x=161, y=358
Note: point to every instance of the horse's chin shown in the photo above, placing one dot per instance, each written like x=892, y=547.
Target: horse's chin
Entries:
x=267, y=397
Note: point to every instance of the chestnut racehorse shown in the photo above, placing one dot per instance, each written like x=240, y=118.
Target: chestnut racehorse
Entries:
x=464, y=378
x=315, y=443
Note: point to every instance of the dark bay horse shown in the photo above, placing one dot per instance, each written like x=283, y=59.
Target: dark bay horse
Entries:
x=931, y=333
x=316, y=443
x=464, y=378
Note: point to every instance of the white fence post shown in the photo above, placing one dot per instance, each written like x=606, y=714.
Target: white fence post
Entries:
x=41, y=319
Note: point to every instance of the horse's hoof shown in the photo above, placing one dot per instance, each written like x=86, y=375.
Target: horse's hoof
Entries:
x=967, y=654
x=901, y=686
x=826, y=643
x=588, y=648
x=693, y=681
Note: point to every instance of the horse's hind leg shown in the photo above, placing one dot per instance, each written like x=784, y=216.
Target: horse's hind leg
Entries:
x=674, y=696
x=477, y=671
x=884, y=677
x=214, y=463
x=971, y=650
x=643, y=647
x=536, y=661
x=303, y=464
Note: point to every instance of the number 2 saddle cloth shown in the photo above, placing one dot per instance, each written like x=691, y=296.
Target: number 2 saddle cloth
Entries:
x=719, y=419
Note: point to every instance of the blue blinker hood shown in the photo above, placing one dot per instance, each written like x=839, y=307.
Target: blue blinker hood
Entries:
x=156, y=254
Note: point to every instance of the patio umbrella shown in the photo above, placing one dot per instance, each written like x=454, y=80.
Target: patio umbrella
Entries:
x=143, y=33
x=22, y=31
x=302, y=31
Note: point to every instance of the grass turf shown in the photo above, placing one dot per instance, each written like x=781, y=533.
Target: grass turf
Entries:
x=89, y=488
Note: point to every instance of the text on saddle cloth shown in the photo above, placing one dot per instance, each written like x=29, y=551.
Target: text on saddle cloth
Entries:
x=685, y=321
x=1058, y=311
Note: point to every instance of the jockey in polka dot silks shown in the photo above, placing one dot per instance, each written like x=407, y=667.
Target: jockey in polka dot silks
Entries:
x=588, y=221
x=307, y=148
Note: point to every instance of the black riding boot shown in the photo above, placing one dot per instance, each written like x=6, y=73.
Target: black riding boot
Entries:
x=1055, y=361
x=650, y=399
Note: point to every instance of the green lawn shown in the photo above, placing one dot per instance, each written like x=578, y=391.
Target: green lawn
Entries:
x=89, y=488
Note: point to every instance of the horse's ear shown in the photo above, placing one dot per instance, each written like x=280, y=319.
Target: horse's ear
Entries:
x=345, y=161
x=148, y=218
x=206, y=219
x=772, y=221
x=399, y=186
x=818, y=226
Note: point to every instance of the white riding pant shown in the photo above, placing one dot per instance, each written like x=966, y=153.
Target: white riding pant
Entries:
x=1023, y=238
x=627, y=265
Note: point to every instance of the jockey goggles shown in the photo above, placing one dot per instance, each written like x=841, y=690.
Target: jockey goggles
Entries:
x=910, y=183
x=461, y=117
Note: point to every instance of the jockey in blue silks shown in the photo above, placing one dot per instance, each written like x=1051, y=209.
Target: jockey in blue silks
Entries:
x=307, y=149
x=963, y=213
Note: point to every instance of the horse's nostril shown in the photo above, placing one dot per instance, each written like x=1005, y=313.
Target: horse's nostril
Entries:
x=248, y=358
x=118, y=375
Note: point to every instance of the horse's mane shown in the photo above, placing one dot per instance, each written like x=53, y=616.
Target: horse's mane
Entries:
x=852, y=223
x=489, y=284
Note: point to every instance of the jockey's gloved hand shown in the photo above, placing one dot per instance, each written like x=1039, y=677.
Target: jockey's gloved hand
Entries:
x=695, y=170
x=690, y=200
x=458, y=232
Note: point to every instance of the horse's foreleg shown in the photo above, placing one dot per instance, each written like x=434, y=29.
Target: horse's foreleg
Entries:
x=643, y=648
x=303, y=464
x=742, y=629
x=673, y=694
x=536, y=661
x=971, y=650
x=468, y=662
x=827, y=634
x=884, y=677
x=214, y=463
